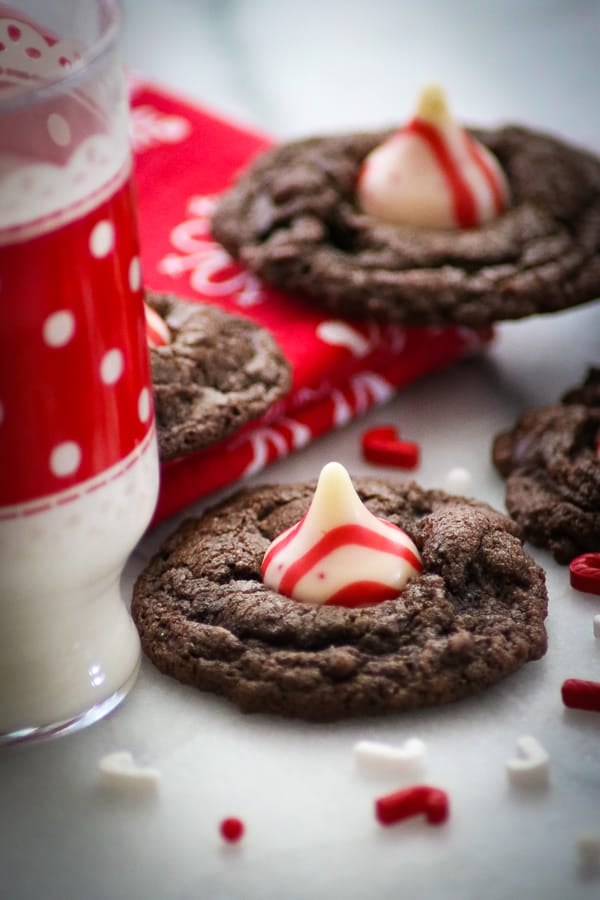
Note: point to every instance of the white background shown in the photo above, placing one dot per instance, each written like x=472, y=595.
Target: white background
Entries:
x=295, y=69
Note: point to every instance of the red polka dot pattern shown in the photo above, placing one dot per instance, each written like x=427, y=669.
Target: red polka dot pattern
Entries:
x=75, y=391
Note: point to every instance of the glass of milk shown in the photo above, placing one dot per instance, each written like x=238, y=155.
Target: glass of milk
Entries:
x=78, y=455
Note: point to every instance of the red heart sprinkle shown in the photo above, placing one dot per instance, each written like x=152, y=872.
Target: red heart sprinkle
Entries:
x=420, y=799
x=437, y=806
x=580, y=694
x=381, y=445
x=584, y=573
x=380, y=433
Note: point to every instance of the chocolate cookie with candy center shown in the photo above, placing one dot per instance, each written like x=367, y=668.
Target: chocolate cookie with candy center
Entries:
x=551, y=463
x=212, y=372
x=471, y=612
x=527, y=207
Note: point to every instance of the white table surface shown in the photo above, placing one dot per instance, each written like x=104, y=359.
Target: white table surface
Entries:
x=295, y=69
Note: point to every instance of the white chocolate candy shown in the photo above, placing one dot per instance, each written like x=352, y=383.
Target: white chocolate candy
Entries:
x=340, y=553
x=530, y=768
x=432, y=173
x=597, y=626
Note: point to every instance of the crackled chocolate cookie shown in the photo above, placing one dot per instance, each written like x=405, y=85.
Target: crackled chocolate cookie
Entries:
x=294, y=219
x=551, y=463
x=473, y=614
x=218, y=372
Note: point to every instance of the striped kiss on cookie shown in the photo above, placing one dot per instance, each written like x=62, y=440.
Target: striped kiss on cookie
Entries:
x=340, y=553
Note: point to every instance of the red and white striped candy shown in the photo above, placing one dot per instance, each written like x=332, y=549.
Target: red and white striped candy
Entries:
x=157, y=333
x=340, y=553
x=432, y=173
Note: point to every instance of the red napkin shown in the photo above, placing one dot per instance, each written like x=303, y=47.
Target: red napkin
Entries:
x=184, y=157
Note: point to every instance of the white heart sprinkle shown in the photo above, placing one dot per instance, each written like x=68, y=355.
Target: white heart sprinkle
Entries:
x=119, y=769
x=530, y=768
x=376, y=756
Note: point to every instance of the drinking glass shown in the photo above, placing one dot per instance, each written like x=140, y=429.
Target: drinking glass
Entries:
x=78, y=455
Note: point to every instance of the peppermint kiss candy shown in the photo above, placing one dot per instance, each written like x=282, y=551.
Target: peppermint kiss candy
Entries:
x=340, y=553
x=157, y=332
x=432, y=173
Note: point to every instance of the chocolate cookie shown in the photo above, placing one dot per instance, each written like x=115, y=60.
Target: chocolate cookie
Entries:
x=218, y=372
x=474, y=615
x=293, y=219
x=552, y=468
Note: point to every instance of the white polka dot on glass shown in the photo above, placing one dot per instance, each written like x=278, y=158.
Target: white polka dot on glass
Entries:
x=102, y=239
x=111, y=366
x=135, y=274
x=144, y=405
x=59, y=328
x=59, y=130
x=65, y=459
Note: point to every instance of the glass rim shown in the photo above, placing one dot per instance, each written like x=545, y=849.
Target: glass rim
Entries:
x=91, y=59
